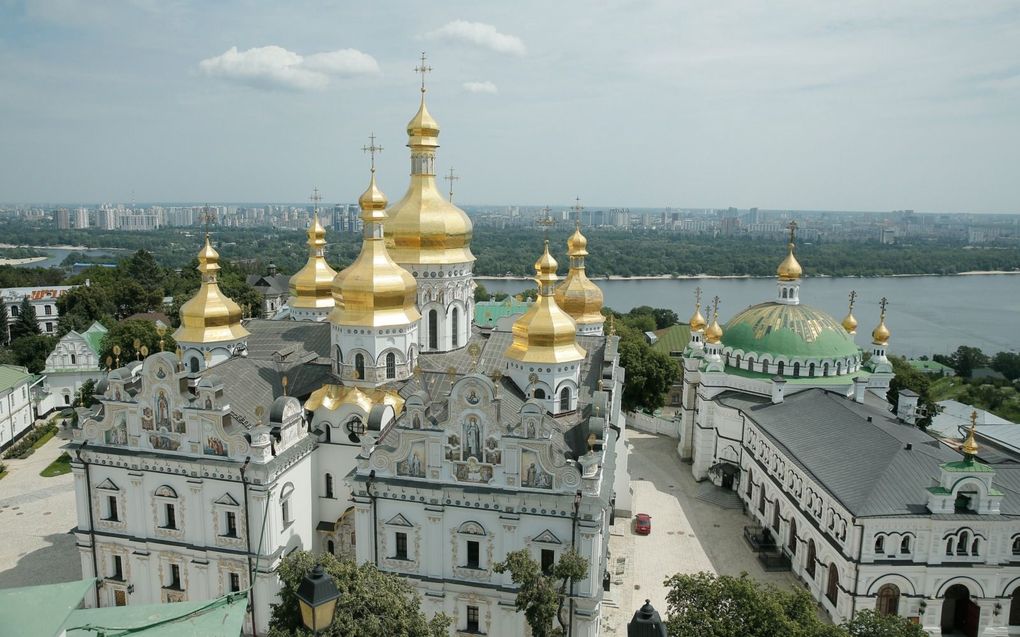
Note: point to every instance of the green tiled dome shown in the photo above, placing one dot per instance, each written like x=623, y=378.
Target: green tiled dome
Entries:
x=794, y=331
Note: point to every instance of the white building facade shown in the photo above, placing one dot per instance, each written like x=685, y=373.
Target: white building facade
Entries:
x=16, y=411
x=73, y=361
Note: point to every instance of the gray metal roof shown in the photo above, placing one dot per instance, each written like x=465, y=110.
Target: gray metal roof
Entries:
x=865, y=465
x=287, y=340
x=250, y=383
x=270, y=285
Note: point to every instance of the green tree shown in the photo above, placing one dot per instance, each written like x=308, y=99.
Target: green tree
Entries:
x=5, y=319
x=31, y=351
x=906, y=377
x=85, y=397
x=540, y=596
x=371, y=604
x=704, y=605
x=80, y=306
x=125, y=333
x=143, y=269
x=26, y=323
x=1008, y=364
x=966, y=359
x=649, y=373
x=868, y=623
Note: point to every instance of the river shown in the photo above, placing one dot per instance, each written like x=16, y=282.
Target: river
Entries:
x=927, y=314
x=57, y=256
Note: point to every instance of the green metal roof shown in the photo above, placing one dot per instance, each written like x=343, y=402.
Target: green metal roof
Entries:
x=794, y=331
x=814, y=381
x=967, y=466
x=40, y=610
x=12, y=376
x=94, y=336
x=222, y=617
x=928, y=365
x=672, y=339
x=487, y=313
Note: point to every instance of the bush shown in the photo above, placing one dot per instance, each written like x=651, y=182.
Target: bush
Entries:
x=32, y=440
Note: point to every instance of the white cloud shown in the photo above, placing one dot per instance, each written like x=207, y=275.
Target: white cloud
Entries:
x=276, y=67
x=478, y=34
x=480, y=87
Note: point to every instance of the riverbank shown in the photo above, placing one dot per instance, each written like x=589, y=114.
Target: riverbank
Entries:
x=25, y=261
x=724, y=277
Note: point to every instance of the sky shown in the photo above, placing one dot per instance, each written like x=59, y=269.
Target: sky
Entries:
x=785, y=104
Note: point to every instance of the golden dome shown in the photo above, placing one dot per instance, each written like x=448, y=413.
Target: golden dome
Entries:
x=578, y=296
x=789, y=269
x=545, y=333
x=697, y=321
x=210, y=316
x=880, y=335
x=970, y=446
x=312, y=285
x=714, y=332
x=850, y=323
x=423, y=227
x=374, y=291
x=332, y=397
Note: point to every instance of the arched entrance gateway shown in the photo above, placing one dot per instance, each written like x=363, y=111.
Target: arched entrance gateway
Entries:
x=960, y=615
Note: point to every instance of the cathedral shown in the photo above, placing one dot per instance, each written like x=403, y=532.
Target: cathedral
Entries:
x=782, y=408
x=378, y=422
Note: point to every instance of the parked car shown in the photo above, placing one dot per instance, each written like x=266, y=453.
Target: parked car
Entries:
x=642, y=524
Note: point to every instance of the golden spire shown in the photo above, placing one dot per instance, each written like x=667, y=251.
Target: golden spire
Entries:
x=714, y=332
x=375, y=291
x=697, y=321
x=880, y=335
x=578, y=296
x=789, y=269
x=423, y=227
x=210, y=316
x=970, y=446
x=545, y=333
x=312, y=285
x=849, y=322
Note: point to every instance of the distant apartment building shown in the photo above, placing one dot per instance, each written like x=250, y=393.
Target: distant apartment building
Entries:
x=106, y=219
x=63, y=219
x=43, y=301
x=80, y=218
x=137, y=220
x=16, y=413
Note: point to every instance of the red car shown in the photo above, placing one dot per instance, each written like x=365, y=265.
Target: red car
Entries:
x=642, y=524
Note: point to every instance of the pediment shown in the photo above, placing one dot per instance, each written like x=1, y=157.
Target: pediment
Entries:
x=399, y=520
x=547, y=537
x=107, y=485
x=227, y=500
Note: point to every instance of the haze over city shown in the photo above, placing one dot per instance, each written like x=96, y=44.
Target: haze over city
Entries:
x=791, y=106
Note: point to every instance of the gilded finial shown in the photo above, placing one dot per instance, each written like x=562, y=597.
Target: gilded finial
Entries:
x=372, y=149
x=450, y=177
x=547, y=221
x=697, y=322
x=161, y=330
x=423, y=69
x=970, y=446
x=789, y=269
x=612, y=325
x=284, y=382
x=850, y=322
x=714, y=332
x=577, y=208
x=793, y=231
x=116, y=354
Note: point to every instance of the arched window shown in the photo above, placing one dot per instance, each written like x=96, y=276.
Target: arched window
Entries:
x=433, y=329
x=750, y=363
x=565, y=399
x=949, y=546
x=540, y=393
x=880, y=544
x=331, y=547
x=454, y=325
x=905, y=545
x=888, y=600
x=779, y=367
x=193, y=364
x=796, y=370
x=750, y=492
x=1016, y=545
x=839, y=368
x=1014, y=608
x=811, y=559
x=339, y=357
x=73, y=359
x=961, y=546
x=391, y=365
x=738, y=361
x=974, y=547
x=329, y=485
x=792, y=544
x=784, y=293
x=775, y=518
x=359, y=365
x=761, y=502
x=811, y=370
x=832, y=590
x=825, y=369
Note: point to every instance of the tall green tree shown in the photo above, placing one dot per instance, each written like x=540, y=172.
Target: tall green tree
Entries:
x=31, y=351
x=541, y=596
x=26, y=323
x=143, y=269
x=371, y=604
x=1007, y=364
x=80, y=306
x=906, y=377
x=125, y=333
x=649, y=373
x=964, y=360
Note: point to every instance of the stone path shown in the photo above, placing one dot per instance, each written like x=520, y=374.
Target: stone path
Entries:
x=37, y=515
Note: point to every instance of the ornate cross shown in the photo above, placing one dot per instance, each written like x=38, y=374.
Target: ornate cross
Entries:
x=697, y=296
x=450, y=177
x=372, y=149
x=882, y=304
x=423, y=69
x=315, y=199
x=547, y=221
x=207, y=216
x=577, y=207
x=715, y=308
x=853, y=298
x=793, y=230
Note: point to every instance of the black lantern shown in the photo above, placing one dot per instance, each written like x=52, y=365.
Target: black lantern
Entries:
x=317, y=597
x=646, y=623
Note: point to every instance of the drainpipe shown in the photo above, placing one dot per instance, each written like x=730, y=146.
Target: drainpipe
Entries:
x=573, y=542
x=857, y=574
x=92, y=525
x=247, y=542
x=375, y=530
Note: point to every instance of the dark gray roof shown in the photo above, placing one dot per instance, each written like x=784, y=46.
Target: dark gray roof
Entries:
x=249, y=383
x=865, y=465
x=287, y=341
x=270, y=285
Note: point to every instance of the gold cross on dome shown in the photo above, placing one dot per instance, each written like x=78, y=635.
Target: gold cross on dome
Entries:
x=697, y=296
x=450, y=177
x=715, y=308
x=315, y=199
x=853, y=298
x=882, y=304
x=207, y=216
x=793, y=230
x=423, y=69
x=578, y=207
x=372, y=149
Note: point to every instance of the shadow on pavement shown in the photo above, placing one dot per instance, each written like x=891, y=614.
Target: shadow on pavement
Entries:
x=57, y=562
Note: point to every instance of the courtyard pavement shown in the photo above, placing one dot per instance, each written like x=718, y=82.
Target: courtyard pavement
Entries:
x=37, y=515
x=688, y=535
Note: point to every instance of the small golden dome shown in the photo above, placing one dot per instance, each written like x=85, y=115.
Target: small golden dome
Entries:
x=970, y=446
x=332, y=397
x=210, y=316
x=714, y=332
x=545, y=333
x=697, y=321
x=423, y=129
x=789, y=269
x=374, y=291
x=880, y=335
x=578, y=296
x=577, y=244
x=312, y=285
x=850, y=323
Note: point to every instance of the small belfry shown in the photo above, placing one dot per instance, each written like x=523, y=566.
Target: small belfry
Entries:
x=578, y=295
x=375, y=328
x=789, y=272
x=544, y=359
x=211, y=329
x=311, y=288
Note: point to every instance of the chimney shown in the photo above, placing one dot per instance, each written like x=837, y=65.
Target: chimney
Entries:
x=906, y=407
x=778, y=384
x=860, y=385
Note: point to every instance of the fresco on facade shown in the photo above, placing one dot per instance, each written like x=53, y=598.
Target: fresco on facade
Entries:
x=164, y=441
x=531, y=472
x=471, y=471
x=117, y=435
x=493, y=454
x=414, y=464
x=472, y=439
x=213, y=446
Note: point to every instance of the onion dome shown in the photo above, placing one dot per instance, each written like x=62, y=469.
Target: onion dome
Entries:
x=423, y=227
x=578, y=296
x=970, y=446
x=545, y=333
x=850, y=323
x=880, y=335
x=332, y=397
x=374, y=291
x=789, y=269
x=210, y=316
x=697, y=321
x=714, y=333
x=312, y=285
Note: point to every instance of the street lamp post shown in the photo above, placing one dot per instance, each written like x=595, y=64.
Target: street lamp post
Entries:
x=317, y=597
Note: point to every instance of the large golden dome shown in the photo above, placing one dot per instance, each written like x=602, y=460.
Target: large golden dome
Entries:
x=210, y=316
x=374, y=291
x=578, y=296
x=312, y=285
x=545, y=333
x=423, y=227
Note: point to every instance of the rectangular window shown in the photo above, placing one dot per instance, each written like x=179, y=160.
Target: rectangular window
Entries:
x=401, y=546
x=231, y=530
x=111, y=508
x=285, y=512
x=472, y=554
x=175, y=577
x=235, y=582
x=171, y=516
x=548, y=560
x=118, y=568
x=472, y=619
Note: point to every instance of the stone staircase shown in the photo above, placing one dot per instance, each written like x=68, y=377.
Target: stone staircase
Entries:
x=722, y=498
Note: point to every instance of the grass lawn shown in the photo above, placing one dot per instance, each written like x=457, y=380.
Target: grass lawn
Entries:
x=58, y=467
x=46, y=438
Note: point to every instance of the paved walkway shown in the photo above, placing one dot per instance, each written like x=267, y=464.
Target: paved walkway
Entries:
x=688, y=535
x=37, y=515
